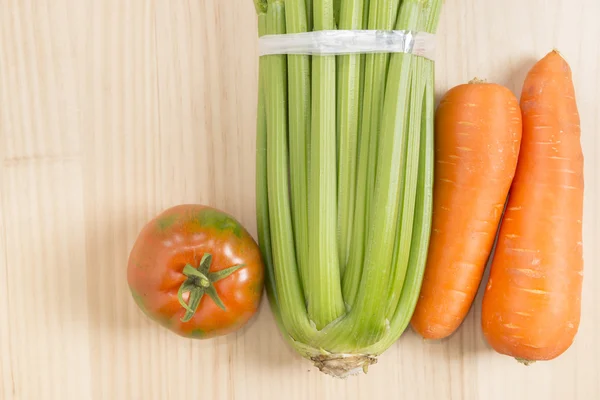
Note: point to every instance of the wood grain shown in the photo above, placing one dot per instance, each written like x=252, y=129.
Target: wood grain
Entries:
x=113, y=110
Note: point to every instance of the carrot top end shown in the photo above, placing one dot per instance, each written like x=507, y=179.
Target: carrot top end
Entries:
x=476, y=81
x=524, y=361
x=555, y=51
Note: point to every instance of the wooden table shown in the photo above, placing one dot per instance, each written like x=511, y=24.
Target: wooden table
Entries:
x=112, y=110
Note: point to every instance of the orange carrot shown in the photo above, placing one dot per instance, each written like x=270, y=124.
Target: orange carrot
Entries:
x=531, y=306
x=478, y=133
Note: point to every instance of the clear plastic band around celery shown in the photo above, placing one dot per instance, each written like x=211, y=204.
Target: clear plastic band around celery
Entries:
x=338, y=42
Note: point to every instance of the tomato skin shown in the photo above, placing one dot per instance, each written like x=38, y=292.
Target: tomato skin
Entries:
x=181, y=235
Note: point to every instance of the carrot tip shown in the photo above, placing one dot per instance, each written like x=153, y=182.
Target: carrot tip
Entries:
x=524, y=361
x=555, y=51
x=477, y=81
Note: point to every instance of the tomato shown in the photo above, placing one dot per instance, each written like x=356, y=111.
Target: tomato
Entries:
x=196, y=270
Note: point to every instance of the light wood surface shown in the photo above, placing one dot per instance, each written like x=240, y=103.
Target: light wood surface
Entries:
x=112, y=110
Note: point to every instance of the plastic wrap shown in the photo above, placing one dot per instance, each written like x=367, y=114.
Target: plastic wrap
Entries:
x=338, y=42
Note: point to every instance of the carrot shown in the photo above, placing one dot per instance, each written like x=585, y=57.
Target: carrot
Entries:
x=478, y=133
x=531, y=305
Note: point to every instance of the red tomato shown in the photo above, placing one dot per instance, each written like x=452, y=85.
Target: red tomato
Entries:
x=197, y=271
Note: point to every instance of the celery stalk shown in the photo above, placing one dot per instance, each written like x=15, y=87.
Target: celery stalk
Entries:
x=421, y=232
x=262, y=205
x=409, y=175
x=382, y=15
x=424, y=200
x=349, y=95
x=299, y=133
x=289, y=290
x=323, y=293
x=370, y=311
x=367, y=323
x=423, y=204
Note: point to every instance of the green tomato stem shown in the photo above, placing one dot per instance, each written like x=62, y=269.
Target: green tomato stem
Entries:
x=200, y=281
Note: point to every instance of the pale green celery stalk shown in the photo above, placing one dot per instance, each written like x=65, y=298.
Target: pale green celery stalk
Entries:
x=367, y=322
x=262, y=201
x=323, y=293
x=262, y=204
x=382, y=15
x=349, y=95
x=424, y=202
x=370, y=310
x=289, y=291
x=409, y=175
x=422, y=227
x=299, y=132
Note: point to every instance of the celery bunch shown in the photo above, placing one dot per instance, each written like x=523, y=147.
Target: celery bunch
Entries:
x=344, y=180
